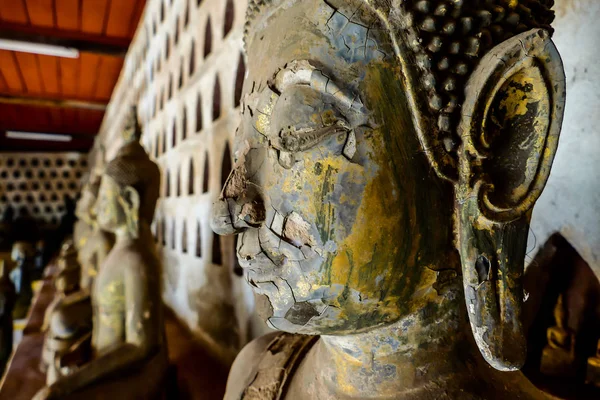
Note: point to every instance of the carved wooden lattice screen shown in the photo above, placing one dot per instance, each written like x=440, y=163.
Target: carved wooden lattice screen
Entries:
x=39, y=182
x=184, y=70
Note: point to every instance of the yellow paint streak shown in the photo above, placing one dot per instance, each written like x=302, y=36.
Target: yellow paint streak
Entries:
x=517, y=100
x=263, y=119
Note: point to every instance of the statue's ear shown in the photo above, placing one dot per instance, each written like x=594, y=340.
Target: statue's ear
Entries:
x=131, y=204
x=510, y=124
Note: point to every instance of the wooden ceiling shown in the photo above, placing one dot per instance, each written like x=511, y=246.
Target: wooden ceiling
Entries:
x=47, y=94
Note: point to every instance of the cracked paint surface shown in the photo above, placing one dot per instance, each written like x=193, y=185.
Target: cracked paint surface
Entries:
x=329, y=159
x=333, y=142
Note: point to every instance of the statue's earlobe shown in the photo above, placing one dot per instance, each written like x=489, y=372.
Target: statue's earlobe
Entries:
x=510, y=124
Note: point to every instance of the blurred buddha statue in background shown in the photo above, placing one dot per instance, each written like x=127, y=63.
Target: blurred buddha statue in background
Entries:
x=22, y=255
x=8, y=298
x=6, y=228
x=127, y=351
x=70, y=319
x=387, y=162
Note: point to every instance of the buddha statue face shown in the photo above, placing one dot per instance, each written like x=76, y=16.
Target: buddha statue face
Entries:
x=21, y=250
x=131, y=129
x=84, y=209
x=336, y=192
x=117, y=206
x=344, y=191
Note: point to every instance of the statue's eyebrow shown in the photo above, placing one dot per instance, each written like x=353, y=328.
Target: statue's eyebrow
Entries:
x=303, y=73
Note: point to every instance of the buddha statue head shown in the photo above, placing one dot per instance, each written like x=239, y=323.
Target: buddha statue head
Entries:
x=132, y=131
x=67, y=248
x=22, y=251
x=84, y=209
x=65, y=282
x=129, y=189
x=386, y=148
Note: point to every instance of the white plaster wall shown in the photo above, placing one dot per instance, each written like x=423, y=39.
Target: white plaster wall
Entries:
x=199, y=281
x=570, y=203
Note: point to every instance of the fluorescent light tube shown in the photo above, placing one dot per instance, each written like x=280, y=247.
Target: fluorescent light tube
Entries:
x=39, y=48
x=51, y=137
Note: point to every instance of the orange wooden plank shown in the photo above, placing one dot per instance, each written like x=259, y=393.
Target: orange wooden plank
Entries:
x=89, y=121
x=14, y=12
x=12, y=116
x=55, y=117
x=93, y=16
x=88, y=77
x=67, y=14
x=3, y=84
x=50, y=74
x=69, y=76
x=107, y=76
x=31, y=73
x=120, y=18
x=41, y=13
x=10, y=71
x=85, y=125
x=96, y=118
x=69, y=120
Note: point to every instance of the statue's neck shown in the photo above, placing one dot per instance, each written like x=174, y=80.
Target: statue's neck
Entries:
x=428, y=347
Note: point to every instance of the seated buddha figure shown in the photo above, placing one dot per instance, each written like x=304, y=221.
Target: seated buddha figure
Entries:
x=22, y=255
x=127, y=351
x=70, y=317
x=98, y=243
x=386, y=165
x=559, y=357
x=85, y=227
x=66, y=262
x=64, y=335
x=8, y=297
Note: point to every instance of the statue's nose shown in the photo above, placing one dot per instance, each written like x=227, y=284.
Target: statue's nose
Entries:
x=239, y=207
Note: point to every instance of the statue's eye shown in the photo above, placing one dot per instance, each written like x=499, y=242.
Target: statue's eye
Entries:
x=291, y=141
x=294, y=141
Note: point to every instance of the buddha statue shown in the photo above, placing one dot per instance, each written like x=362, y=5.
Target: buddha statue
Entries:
x=98, y=242
x=70, y=317
x=81, y=230
x=386, y=165
x=84, y=227
x=65, y=330
x=22, y=255
x=127, y=351
x=593, y=368
x=559, y=357
x=67, y=262
x=8, y=297
x=6, y=228
x=40, y=259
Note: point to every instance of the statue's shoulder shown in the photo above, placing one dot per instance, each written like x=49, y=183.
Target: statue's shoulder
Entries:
x=265, y=364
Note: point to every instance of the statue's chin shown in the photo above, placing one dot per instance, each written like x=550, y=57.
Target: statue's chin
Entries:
x=264, y=309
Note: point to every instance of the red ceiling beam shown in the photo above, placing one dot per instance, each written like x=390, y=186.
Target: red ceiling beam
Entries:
x=54, y=103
